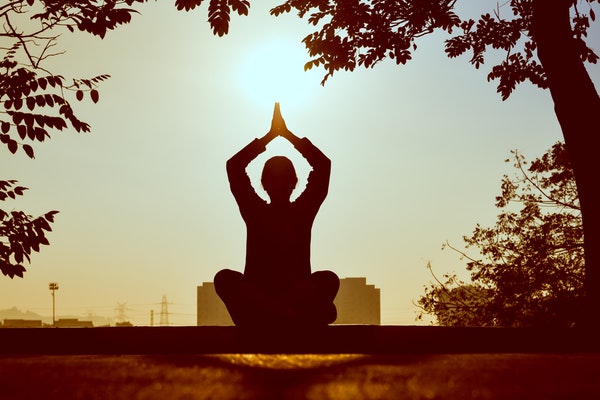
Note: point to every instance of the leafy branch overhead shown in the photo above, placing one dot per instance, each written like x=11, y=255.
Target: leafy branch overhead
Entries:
x=34, y=101
x=33, y=105
x=365, y=32
x=218, y=12
x=20, y=233
x=348, y=34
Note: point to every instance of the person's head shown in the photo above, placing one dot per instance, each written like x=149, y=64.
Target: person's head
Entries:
x=279, y=178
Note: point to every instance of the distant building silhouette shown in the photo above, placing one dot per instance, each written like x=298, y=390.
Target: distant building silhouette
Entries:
x=22, y=323
x=72, y=323
x=356, y=303
x=211, y=309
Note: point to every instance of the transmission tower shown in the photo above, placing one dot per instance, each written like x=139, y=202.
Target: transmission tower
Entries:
x=164, y=312
x=121, y=310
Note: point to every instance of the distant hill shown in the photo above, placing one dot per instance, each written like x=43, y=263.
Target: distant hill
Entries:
x=15, y=313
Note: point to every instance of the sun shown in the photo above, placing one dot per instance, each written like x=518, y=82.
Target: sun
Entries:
x=274, y=72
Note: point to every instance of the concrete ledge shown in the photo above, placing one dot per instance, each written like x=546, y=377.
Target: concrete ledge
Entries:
x=360, y=339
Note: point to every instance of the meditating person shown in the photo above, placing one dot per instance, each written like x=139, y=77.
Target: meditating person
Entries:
x=278, y=286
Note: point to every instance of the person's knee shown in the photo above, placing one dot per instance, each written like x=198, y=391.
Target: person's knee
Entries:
x=327, y=282
x=227, y=281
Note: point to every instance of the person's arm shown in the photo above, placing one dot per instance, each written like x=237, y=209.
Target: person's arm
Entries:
x=239, y=181
x=313, y=155
x=318, y=180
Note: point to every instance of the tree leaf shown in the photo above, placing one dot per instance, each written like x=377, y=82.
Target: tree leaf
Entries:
x=50, y=215
x=40, y=100
x=22, y=130
x=29, y=120
x=19, y=190
x=49, y=100
x=43, y=224
x=13, y=146
x=40, y=119
x=30, y=103
x=31, y=132
x=187, y=5
x=29, y=151
x=40, y=133
x=17, y=118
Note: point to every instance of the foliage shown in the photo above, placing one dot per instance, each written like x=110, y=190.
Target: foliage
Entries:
x=353, y=33
x=218, y=12
x=34, y=101
x=540, y=41
x=532, y=269
x=454, y=302
x=349, y=33
x=20, y=234
x=365, y=32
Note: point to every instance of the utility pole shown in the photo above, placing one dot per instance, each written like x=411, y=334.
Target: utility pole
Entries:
x=53, y=286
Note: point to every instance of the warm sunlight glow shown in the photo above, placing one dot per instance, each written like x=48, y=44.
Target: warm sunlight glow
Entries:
x=274, y=71
x=289, y=361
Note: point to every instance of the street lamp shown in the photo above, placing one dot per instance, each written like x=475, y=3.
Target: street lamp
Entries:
x=53, y=286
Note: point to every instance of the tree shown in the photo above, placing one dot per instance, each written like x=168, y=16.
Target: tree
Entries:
x=26, y=86
x=544, y=42
x=456, y=303
x=35, y=101
x=532, y=267
x=22, y=232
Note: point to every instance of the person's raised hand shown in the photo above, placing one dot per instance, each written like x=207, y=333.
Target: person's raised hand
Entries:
x=278, y=126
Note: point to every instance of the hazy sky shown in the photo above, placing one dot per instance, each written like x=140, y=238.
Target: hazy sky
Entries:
x=145, y=209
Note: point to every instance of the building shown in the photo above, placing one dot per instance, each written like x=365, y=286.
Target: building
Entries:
x=356, y=303
x=211, y=309
x=22, y=323
x=72, y=323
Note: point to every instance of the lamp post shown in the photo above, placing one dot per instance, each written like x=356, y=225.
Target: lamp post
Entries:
x=53, y=286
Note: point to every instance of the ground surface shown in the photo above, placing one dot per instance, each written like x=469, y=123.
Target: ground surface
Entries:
x=301, y=376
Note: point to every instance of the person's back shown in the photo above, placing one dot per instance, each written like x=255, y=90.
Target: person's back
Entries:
x=279, y=232
x=277, y=284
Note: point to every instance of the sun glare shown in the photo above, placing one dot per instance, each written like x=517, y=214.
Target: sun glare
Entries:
x=274, y=72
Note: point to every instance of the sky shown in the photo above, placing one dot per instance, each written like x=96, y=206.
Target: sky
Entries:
x=145, y=209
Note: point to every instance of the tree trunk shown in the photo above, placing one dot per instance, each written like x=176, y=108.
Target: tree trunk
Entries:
x=577, y=107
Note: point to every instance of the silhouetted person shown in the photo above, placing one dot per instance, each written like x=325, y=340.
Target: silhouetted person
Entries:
x=277, y=286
